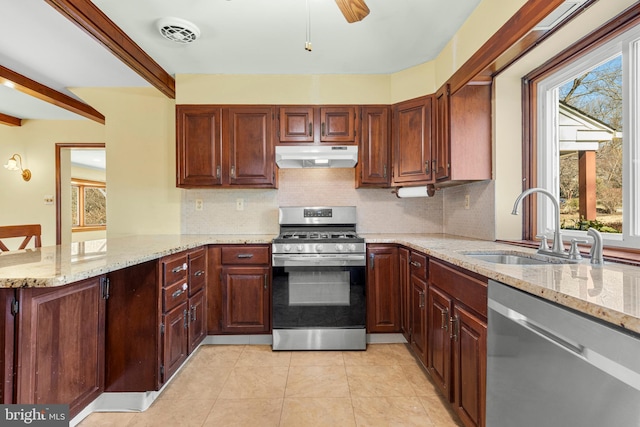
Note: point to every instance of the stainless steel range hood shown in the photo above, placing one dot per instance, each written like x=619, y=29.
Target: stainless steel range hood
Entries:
x=316, y=156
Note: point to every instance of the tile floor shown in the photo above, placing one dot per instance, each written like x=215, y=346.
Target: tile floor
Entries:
x=250, y=385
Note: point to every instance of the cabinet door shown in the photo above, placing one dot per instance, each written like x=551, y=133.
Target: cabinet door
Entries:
x=419, y=317
x=251, y=146
x=132, y=344
x=198, y=145
x=60, y=350
x=439, y=356
x=412, y=142
x=405, y=292
x=470, y=368
x=338, y=124
x=296, y=124
x=176, y=323
x=7, y=331
x=245, y=299
x=197, y=319
x=383, y=302
x=374, y=164
x=214, y=290
x=441, y=146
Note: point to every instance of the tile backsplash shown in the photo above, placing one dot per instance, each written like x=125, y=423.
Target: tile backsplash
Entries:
x=379, y=210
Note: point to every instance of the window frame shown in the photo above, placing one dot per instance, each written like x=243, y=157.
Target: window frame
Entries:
x=81, y=184
x=581, y=51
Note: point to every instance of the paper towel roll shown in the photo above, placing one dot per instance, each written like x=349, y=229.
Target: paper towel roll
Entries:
x=413, y=192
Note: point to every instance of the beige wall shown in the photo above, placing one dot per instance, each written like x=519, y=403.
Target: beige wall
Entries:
x=23, y=202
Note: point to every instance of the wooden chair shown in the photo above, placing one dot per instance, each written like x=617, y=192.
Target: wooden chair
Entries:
x=27, y=231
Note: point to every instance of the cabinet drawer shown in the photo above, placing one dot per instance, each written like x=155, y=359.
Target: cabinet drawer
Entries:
x=418, y=265
x=245, y=255
x=197, y=271
x=174, y=269
x=467, y=289
x=175, y=294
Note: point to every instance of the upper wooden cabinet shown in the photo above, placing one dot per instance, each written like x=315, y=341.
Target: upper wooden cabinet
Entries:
x=374, y=164
x=299, y=124
x=412, y=135
x=224, y=146
x=462, y=149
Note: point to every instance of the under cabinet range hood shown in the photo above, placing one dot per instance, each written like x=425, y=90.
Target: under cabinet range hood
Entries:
x=316, y=156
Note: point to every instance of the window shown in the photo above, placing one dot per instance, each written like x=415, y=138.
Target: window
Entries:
x=88, y=205
x=585, y=115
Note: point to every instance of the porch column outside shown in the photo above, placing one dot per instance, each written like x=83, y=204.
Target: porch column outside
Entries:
x=587, y=183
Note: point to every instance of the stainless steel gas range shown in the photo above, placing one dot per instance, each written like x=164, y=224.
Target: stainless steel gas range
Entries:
x=318, y=280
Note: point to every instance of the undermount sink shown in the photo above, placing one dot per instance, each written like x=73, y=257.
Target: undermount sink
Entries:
x=513, y=258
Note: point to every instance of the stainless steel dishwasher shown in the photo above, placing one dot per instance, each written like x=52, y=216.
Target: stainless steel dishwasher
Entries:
x=548, y=366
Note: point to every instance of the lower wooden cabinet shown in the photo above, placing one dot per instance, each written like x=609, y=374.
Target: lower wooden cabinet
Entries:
x=418, y=273
x=175, y=345
x=7, y=335
x=405, y=293
x=197, y=319
x=239, y=289
x=383, y=290
x=60, y=344
x=458, y=339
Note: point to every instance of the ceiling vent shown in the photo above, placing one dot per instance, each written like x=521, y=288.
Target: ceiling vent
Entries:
x=178, y=30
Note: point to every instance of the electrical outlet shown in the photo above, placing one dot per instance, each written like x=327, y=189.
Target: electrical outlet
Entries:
x=199, y=205
x=239, y=204
x=48, y=200
x=466, y=201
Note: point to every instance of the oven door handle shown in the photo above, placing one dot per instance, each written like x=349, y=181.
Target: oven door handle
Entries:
x=313, y=260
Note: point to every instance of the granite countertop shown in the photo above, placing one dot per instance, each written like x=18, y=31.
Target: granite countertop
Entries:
x=610, y=292
x=59, y=265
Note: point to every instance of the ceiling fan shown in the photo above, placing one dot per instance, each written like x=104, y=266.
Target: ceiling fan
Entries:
x=353, y=10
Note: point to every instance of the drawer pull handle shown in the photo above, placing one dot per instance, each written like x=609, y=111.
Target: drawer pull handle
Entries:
x=266, y=282
x=310, y=129
x=177, y=293
x=177, y=269
x=198, y=273
x=245, y=255
x=415, y=264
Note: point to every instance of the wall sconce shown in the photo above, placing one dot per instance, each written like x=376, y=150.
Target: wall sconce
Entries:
x=12, y=165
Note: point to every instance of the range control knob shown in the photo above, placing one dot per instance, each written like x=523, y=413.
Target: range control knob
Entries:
x=352, y=247
x=299, y=248
x=287, y=248
x=339, y=247
x=319, y=248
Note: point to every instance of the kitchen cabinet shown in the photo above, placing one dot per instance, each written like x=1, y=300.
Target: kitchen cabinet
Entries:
x=383, y=290
x=320, y=124
x=462, y=148
x=458, y=339
x=374, y=158
x=7, y=335
x=60, y=344
x=245, y=295
x=412, y=139
x=184, y=304
x=224, y=146
x=197, y=268
x=404, y=274
x=133, y=317
x=418, y=273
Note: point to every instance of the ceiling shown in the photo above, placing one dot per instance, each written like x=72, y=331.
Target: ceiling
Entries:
x=237, y=37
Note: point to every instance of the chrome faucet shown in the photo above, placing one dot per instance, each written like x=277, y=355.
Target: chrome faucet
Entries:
x=596, y=251
x=558, y=246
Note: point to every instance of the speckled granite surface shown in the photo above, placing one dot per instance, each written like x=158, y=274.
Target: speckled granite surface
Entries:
x=60, y=265
x=610, y=292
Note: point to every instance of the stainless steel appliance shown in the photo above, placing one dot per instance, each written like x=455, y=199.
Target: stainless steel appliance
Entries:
x=318, y=280
x=550, y=366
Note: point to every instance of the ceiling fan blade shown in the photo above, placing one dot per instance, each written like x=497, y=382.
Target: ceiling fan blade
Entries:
x=353, y=10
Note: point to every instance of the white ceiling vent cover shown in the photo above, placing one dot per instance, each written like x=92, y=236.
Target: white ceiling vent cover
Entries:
x=178, y=30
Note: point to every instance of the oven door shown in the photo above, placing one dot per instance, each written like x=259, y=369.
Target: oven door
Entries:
x=319, y=307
